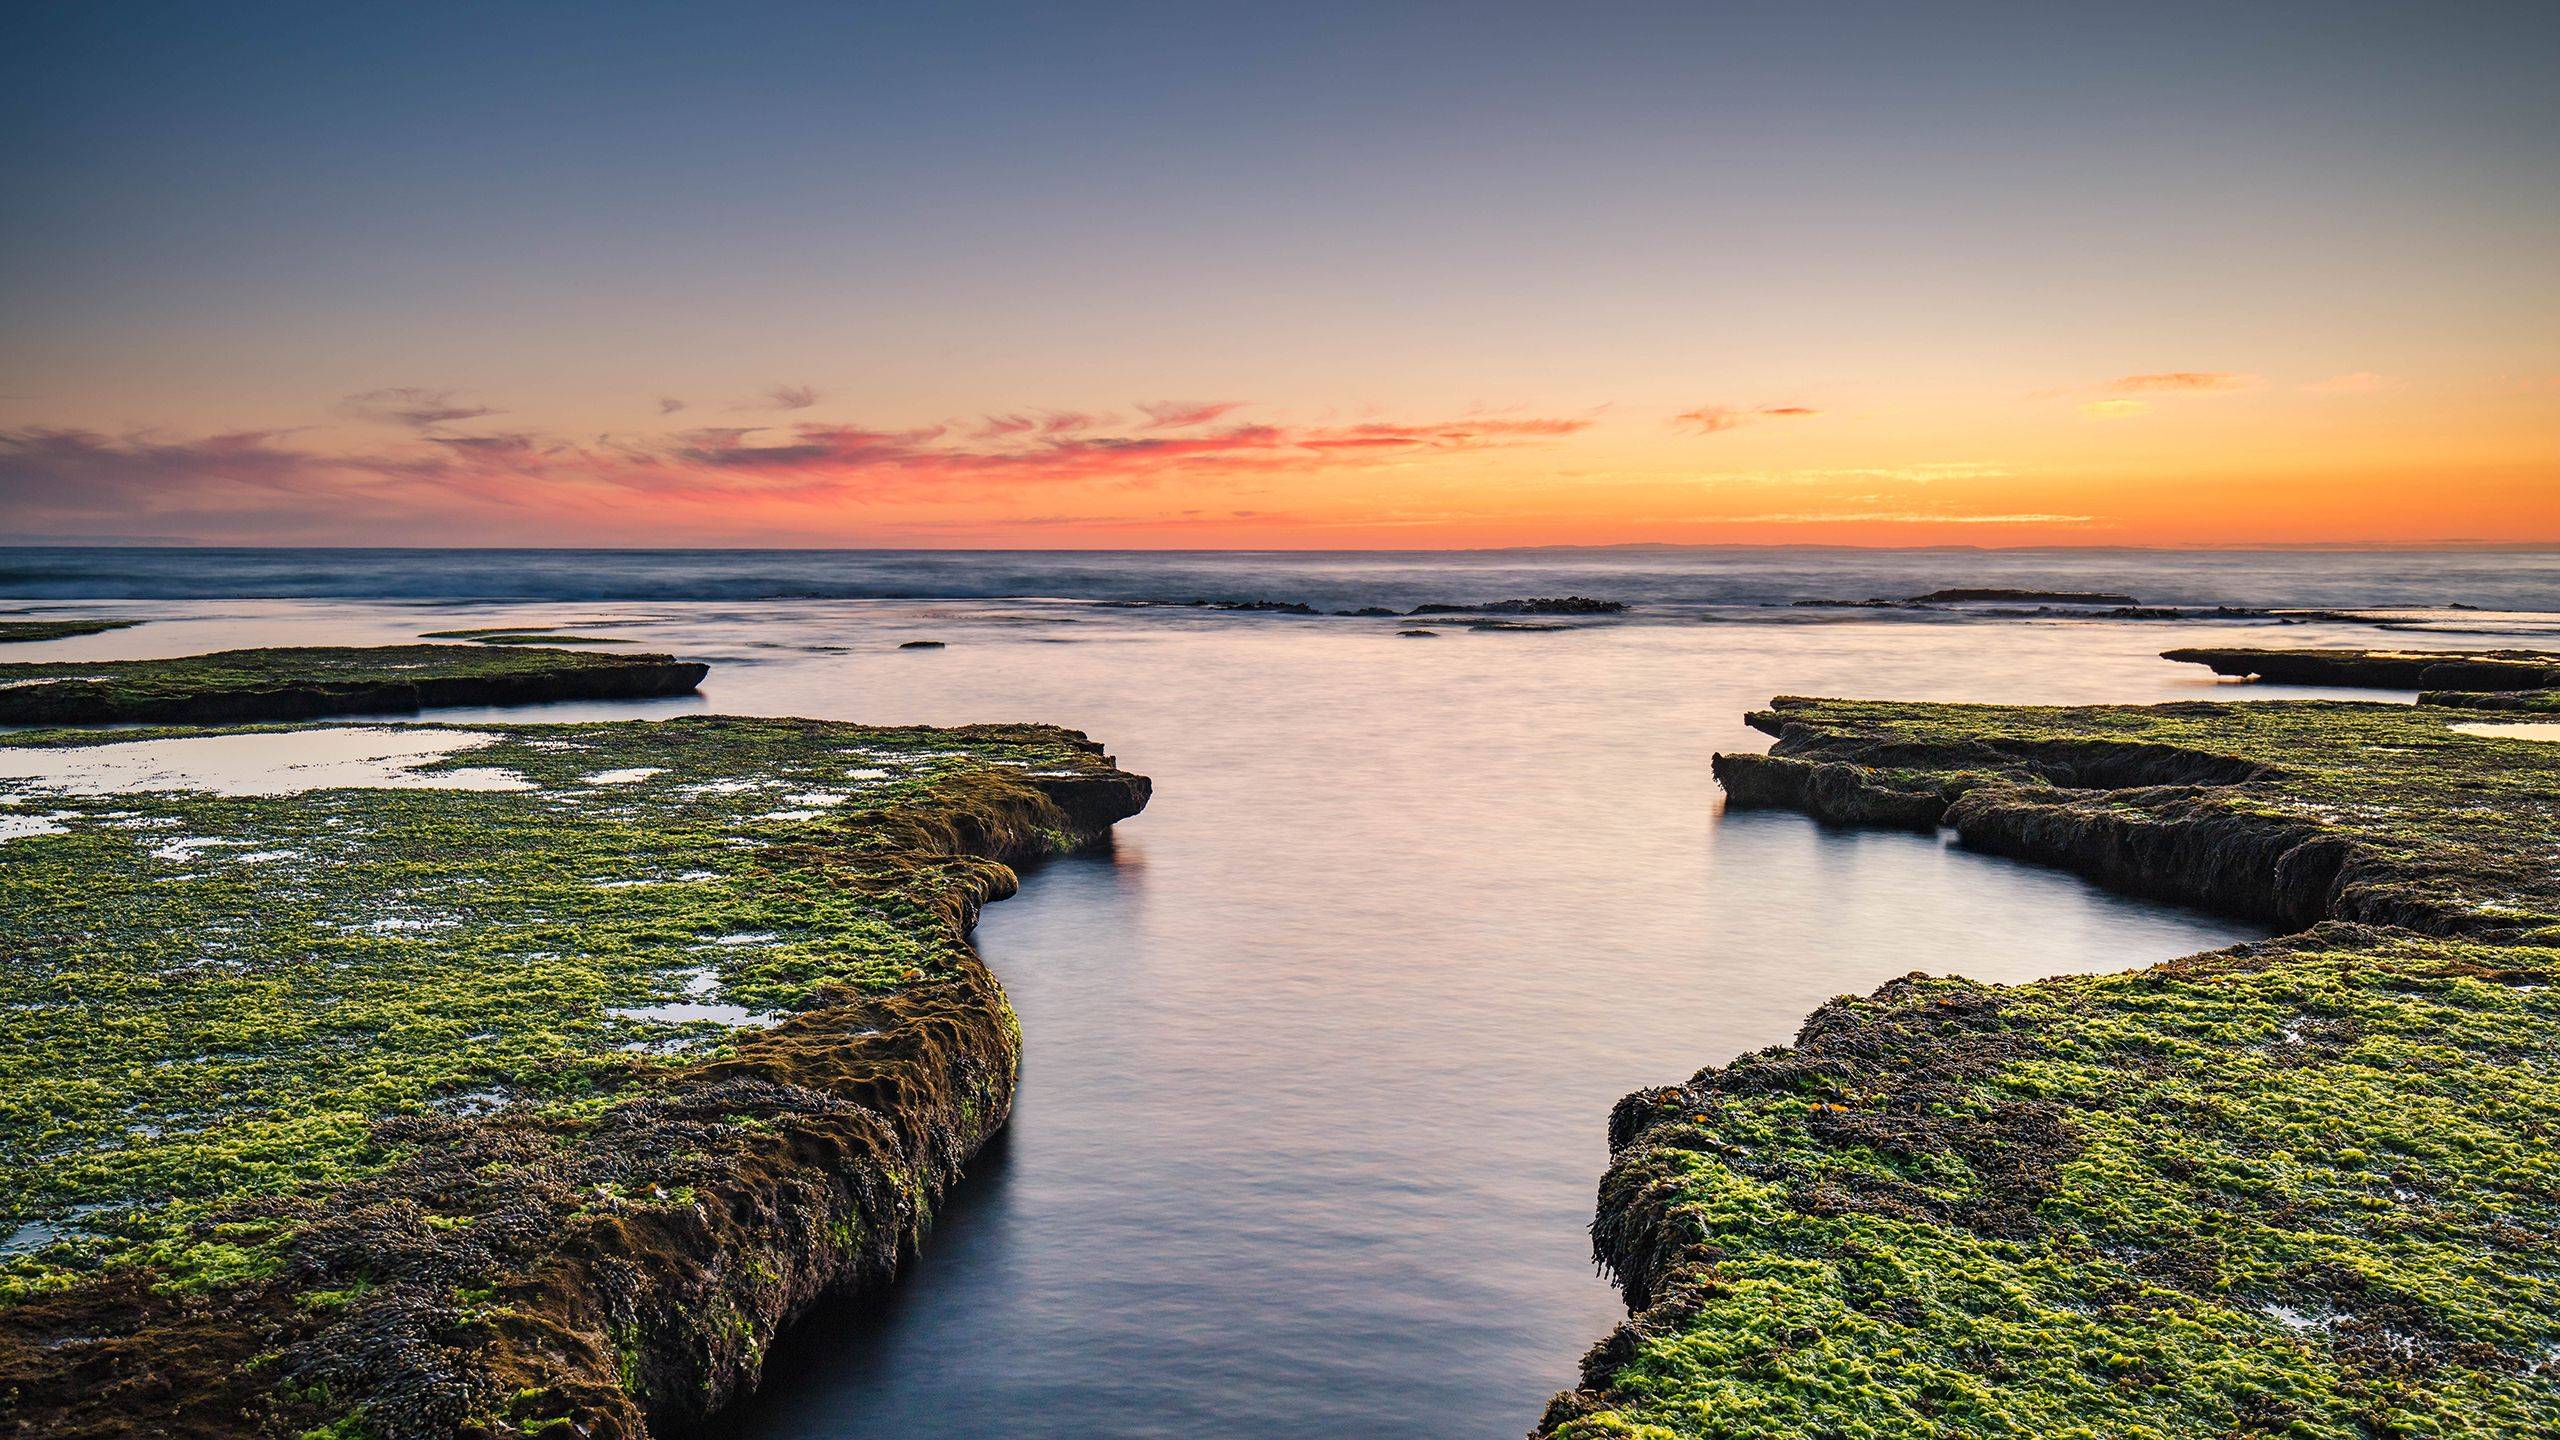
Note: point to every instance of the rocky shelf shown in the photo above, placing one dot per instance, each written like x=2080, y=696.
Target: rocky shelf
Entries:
x=2448, y=670
x=2304, y=1187
x=1536, y=605
x=233, y=686
x=1978, y=595
x=20, y=632
x=533, y=1107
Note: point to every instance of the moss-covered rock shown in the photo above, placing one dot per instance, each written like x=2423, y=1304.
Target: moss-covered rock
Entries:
x=2286, y=811
x=232, y=686
x=17, y=632
x=2527, y=700
x=2303, y=1188
x=433, y=1112
x=2384, y=669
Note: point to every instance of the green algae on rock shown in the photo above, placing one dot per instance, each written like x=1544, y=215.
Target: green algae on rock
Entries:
x=421, y=1112
x=2290, y=811
x=2532, y=700
x=2302, y=1188
x=18, y=632
x=2455, y=670
x=294, y=683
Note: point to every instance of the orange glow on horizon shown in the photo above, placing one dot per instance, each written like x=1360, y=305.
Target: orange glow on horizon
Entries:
x=2166, y=458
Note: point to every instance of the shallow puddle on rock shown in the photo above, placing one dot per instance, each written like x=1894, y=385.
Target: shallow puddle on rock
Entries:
x=30, y=1236
x=18, y=827
x=680, y=1012
x=279, y=763
x=700, y=983
x=2519, y=730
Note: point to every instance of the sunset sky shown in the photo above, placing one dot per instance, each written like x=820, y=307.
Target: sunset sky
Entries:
x=1282, y=276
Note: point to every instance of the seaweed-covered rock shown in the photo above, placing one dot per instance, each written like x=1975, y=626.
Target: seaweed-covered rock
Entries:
x=19, y=632
x=295, y=683
x=1969, y=595
x=1977, y=594
x=536, y=1108
x=1548, y=605
x=2384, y=669
x=2303, y=1187
x=2288, y=811
x=2541, y=701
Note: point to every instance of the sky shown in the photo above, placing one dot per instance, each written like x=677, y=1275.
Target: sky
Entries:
x=1281, y=276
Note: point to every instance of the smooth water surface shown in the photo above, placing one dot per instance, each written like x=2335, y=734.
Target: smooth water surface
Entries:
x=1320, y=1054
x=274, y=763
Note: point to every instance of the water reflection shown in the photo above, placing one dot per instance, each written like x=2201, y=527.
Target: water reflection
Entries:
x=1319, y=1060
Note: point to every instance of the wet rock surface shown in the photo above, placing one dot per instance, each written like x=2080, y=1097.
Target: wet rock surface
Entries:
x=2450, y=670
x=423, y=1158
x=232, y=686
x=2300, y=1187
x=1548, y=605
x=20, y=632
x=1978, y=595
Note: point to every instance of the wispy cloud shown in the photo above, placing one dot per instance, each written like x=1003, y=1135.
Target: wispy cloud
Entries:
x=1182, y=415
x=669, y=405
x=413, y=407
x=2181, y=382
x=1716, y=419
x=789, y=397
x=2355, y=382
x=1041, y=422
x=817, y=474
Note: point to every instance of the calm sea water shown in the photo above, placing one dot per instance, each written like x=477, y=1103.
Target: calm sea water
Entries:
x=1321, y=1052
x=1678, y=580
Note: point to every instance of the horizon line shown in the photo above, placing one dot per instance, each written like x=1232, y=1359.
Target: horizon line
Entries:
x=2374, y=547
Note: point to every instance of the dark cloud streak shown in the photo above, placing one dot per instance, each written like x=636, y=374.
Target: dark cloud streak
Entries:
x=413, y=407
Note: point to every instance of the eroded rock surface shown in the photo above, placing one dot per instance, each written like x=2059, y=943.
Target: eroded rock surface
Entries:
x=2451, y=670
x=539, y=1110
x=296, y=683
x=2303, y=1188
